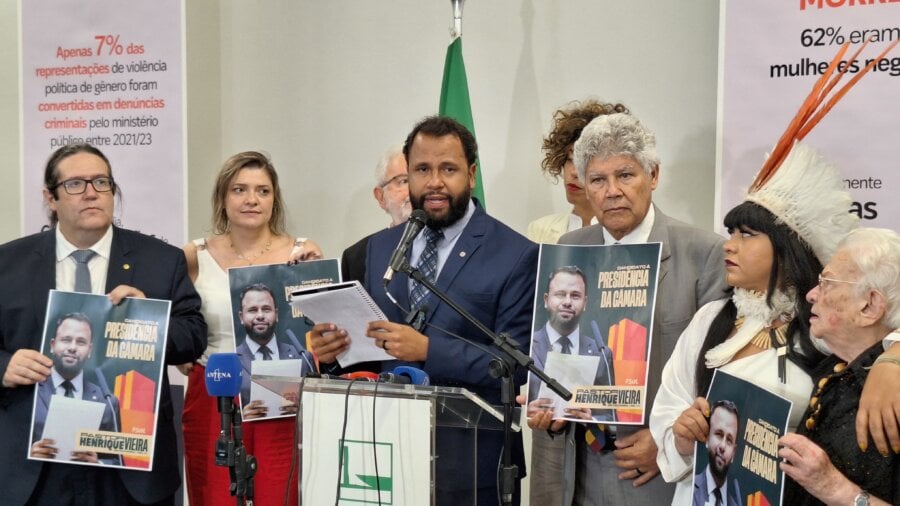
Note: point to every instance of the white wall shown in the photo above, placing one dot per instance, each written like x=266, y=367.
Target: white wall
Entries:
x=325, y=86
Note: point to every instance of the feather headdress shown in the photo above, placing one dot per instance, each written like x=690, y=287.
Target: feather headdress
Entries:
x=804, y=192
x=795, y=183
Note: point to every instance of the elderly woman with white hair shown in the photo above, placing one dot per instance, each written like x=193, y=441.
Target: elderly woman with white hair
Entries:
x=855, y=307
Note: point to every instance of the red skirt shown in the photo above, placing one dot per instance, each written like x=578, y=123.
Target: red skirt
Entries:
x=270, y=441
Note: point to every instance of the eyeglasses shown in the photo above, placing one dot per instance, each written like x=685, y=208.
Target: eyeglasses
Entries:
x=398, y=181
x=815, y=402
x=823, y=279
x=77, y=186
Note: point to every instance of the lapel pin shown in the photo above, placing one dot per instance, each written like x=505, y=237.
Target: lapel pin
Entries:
x=126, y=266
x=462, y=254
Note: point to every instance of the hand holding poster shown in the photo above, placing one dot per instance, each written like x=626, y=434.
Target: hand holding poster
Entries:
x=739, y=462
x=592, y=330
x=268, y=329
x=79, y=416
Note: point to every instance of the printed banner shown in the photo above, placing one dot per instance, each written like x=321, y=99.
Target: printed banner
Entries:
x=773, y=52
x=740, y=458
x=270, y=334
x=100, y=403
x=593, y=320
x=109, y=74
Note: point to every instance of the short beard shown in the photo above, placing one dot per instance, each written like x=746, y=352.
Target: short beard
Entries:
x=67, y=371
x=459, y=204
x=718, y=475
x=260, y=337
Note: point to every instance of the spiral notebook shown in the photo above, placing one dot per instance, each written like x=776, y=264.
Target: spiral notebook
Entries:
x=349, y=306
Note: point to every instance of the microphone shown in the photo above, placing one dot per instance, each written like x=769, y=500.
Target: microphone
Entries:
x=405, y=375
x=223, y=380
x=414, y=225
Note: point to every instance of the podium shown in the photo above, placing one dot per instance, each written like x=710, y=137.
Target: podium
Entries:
x=375, y=443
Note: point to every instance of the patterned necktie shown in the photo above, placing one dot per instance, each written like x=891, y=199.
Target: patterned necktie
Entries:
x=427, y=267
x=718, y=493
x=566, y=345
x=82, y=273
x=70, y=388
x=266, y=352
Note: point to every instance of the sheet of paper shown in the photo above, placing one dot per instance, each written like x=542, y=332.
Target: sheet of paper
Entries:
x=571, y=371
x=272, y=400
x=350, y=307
x=66, y=417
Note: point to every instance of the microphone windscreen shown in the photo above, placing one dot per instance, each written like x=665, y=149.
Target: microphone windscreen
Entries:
x=223, y=375
x=416, y=376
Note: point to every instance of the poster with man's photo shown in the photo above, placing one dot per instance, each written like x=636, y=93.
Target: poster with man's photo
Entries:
x=269, y=334
x=593, y=317
x=99, y=404
x=738, y=464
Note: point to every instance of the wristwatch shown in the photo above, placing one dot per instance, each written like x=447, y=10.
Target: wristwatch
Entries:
x=862, y=499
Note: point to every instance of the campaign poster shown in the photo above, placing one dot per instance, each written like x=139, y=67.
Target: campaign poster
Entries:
x=592, y=330
x=269, y=333
x=739, y=461
x=100, y=404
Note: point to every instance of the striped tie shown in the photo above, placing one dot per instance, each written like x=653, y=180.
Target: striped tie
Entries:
x=427, y=267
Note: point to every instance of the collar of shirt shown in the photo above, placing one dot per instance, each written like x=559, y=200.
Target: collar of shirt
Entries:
x=575, y=222
x=639, y=235
x=254, y=348
x=445, y=246
x=711, y=486
x=98, y=265
x=77, y=382
x=555, y=336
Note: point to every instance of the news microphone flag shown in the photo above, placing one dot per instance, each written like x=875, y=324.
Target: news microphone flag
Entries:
x=223, y=375
x=455, y=102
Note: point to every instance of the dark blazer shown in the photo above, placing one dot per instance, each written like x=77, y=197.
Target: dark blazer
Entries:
x=701, y=491
x=27, y=274
x=491, y=273
x=353, y=261
x=540, y=345
x=285, y=352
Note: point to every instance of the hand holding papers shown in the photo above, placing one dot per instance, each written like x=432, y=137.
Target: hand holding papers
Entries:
x=268, y=402
x=571, y=371
x=66, y=418
x=351, y=308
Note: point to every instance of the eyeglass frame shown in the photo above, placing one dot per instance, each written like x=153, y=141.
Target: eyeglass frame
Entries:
x=394, y=181
x=112, y=184
x=823, y=278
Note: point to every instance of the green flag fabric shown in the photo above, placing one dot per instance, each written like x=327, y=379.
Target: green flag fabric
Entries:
x=455, y=101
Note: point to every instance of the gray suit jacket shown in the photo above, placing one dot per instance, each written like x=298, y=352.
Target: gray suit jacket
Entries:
x=691, y=273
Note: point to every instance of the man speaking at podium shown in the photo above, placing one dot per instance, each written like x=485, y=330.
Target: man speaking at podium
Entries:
x=84, y=252
x=483, y=265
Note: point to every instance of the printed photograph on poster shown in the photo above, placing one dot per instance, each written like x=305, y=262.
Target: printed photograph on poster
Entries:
x=100, y=403
x=739, y=462
x=270, y=334
x=593, y=316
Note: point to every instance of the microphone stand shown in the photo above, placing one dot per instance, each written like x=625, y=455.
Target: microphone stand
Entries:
x=232, y=453
x=503, y=368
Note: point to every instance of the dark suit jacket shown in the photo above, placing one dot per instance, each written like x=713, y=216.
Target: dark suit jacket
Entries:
x=540, y=345
x=701, y=491
x=491, y=273
x=285, y=352
x=353, y=261
x=27, y=274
